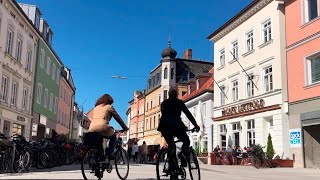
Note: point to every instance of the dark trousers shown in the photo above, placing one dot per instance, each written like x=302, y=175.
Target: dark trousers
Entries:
x=112, y=144
x=182, y=136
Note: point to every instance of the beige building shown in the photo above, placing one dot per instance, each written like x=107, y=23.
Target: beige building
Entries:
x=250, y=70
x=18, y=48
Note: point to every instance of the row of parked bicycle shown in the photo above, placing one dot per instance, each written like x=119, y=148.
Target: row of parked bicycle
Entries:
x=19, y=155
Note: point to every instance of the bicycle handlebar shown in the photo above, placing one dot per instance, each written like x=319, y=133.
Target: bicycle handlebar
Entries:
x=193, y=130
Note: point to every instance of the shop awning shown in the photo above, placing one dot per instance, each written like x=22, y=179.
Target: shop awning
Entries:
x=150, y=141
x=310, y=118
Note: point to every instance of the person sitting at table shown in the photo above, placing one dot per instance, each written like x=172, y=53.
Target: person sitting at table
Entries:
x=216, y=149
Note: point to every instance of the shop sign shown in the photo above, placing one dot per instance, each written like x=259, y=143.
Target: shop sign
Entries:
x=295, y=138
x=20, y=118
x=246, y=107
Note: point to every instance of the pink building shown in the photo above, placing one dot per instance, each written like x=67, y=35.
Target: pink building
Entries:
x=303, y=62
x=136, y=115
x=66, y=100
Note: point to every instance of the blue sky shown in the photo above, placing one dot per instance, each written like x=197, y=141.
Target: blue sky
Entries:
x=100, y=38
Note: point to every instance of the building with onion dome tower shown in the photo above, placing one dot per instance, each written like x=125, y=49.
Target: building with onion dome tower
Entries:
x=171, y=72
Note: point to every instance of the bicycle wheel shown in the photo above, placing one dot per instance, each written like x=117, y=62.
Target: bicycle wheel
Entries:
x=162, y=166
x=194, y=167
x=90, y=167
x=122, y=163
x=18, y=164
x=27, y=160
x=70, y=157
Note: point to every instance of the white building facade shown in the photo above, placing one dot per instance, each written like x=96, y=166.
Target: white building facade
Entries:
x=18, y=46
x=250, y=70
x=201, y=108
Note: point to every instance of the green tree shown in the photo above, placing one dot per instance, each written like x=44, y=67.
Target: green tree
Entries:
x=270, y=150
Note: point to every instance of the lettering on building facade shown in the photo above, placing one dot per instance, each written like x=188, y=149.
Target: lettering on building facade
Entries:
x=250, y=106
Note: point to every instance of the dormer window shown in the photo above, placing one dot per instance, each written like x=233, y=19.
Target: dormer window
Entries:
x=37, y=20
x=197, y=84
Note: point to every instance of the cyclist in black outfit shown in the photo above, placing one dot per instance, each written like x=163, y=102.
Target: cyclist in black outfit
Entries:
x=171, y=124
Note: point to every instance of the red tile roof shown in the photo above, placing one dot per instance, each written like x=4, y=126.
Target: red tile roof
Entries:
x=206, y=87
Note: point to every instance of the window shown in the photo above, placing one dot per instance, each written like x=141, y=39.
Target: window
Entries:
x=150, y=123
x=154, y=122
x=203, y=110
x=251, y=135
x=147, y=106
x=42, y=56
x=165, y=73
x=4, y=88
x=29, y=59
x=18, y=129
x=48, y=65
x=223, y=136
x=159, y=99
x=53, y=74
x=151, y=103
x=268, y=82
x=236, y=126
x=189, y=89
x=171, y=73
x=37, y=20
x=51, y=102
x=249, y=41
x=198, y=84
x=222, y=96
x=165, y=94
x=235, y=50
x=250, y=87
x=25, y=98
x=266, y=31
x=235, y=91
x=310, y=10
x=147, y=124
x=9, y=45
x=313, y=69
x=55, y=105
x=45, y=98
x=14, y=92
x=19, y=50
x=222, y=57
x=39, y=93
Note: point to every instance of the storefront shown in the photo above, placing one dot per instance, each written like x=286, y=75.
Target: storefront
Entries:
x=249, y=123
x=41, y=127
x=305, y=133
x=12, y=123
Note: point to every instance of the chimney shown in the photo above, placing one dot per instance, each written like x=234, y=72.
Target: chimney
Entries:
x=188, y=54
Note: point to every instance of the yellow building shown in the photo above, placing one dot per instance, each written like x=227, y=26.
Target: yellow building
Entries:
x=171, y=72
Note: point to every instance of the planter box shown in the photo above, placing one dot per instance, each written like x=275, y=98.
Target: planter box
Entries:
x=283, y=162
x=204, y=160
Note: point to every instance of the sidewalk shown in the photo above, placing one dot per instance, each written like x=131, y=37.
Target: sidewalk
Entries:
x=249, y=172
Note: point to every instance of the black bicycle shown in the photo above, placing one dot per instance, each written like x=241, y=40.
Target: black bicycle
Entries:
x=177, y=172
x=95, y=163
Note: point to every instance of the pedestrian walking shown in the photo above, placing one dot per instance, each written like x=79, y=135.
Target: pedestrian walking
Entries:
x=144, y=153
x=135, y=151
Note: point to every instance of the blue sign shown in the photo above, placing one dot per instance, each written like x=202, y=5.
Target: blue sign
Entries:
x=295, y=137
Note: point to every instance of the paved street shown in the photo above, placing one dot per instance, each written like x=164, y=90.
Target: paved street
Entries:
x=147, y=172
